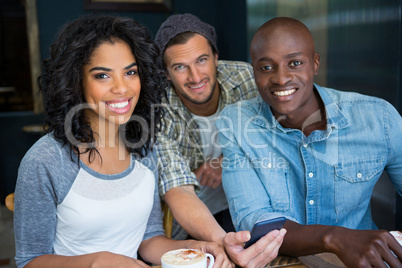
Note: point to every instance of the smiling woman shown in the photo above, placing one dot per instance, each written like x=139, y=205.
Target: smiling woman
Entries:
x=94, y=198
x=102, y=80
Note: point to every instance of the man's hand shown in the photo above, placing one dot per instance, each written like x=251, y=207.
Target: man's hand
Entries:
x=366, y=248
x=257, y=255
x=210, y=173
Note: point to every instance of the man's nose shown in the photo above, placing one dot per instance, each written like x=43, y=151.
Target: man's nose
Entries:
x=281, y=76
x=194, y=74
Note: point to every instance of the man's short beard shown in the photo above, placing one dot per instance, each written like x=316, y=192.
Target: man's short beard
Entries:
x=187, y=97
x=210, y=96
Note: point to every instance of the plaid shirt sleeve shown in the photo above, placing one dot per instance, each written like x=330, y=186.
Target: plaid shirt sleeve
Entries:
x=173, y=165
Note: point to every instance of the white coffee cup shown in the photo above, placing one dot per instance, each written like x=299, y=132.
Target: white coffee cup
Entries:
x=186, y=258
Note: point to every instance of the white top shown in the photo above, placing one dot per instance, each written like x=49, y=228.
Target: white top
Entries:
x=93, y=217
x=64, y=207
x=214, y=199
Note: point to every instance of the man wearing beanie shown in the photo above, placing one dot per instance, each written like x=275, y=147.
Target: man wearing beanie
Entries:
x=189, y=158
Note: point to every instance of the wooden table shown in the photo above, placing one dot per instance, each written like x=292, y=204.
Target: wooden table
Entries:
x=321, y=260
x=280, y=261
x=285, y=261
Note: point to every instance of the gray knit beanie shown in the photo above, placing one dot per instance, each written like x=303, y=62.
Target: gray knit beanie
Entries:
x=181, y=23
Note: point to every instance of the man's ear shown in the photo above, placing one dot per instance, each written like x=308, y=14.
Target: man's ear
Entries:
x=316, y=63
x=216, y=59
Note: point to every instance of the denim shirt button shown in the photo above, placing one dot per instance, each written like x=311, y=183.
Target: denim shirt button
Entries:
x=359, y=175
x=311, y=202
x=311, y=174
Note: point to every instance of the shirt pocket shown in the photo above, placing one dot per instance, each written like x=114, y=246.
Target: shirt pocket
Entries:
x=354, y=183
x=276, y=184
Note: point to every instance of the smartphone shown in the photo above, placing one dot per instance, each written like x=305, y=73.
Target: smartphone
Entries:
x=261, y=228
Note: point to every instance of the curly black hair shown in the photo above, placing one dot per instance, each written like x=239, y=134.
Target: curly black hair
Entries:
x=61, y=82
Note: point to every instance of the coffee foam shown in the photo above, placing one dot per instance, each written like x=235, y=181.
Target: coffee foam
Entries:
x=398, y=236
x=183, y=257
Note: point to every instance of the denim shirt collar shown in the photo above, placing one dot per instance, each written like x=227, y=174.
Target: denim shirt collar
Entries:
x=335, y=117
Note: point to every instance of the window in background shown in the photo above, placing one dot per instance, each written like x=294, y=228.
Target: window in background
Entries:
x=19, y=57
x=313, y=13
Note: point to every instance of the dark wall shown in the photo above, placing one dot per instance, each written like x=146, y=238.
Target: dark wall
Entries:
x=228, y=17
x=364, y=48
x=14, y=143
x=365, y=55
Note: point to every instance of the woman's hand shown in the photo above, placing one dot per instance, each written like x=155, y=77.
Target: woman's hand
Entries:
x=221, y=260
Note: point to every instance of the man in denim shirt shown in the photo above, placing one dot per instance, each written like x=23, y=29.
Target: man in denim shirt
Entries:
x=309, y=153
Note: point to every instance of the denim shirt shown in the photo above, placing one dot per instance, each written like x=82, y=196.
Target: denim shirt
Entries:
x=325, y=178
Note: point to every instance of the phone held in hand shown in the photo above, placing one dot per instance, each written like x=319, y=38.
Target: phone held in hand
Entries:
x=261, y=228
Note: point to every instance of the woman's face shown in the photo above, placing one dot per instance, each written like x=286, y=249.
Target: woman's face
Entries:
x=111, y=84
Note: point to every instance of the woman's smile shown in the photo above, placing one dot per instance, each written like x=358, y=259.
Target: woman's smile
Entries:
x=120, y=106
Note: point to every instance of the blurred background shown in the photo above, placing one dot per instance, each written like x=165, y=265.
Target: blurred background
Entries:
x=359, y=42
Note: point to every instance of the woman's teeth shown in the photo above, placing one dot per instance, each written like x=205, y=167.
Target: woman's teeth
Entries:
x=118, y=105
x=284, y=93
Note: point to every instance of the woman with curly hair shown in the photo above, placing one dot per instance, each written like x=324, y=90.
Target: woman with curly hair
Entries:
x=86, y=193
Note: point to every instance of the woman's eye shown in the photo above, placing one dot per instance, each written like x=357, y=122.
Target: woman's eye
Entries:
x=296, y=63
x=132, y=72
x=101, y=76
